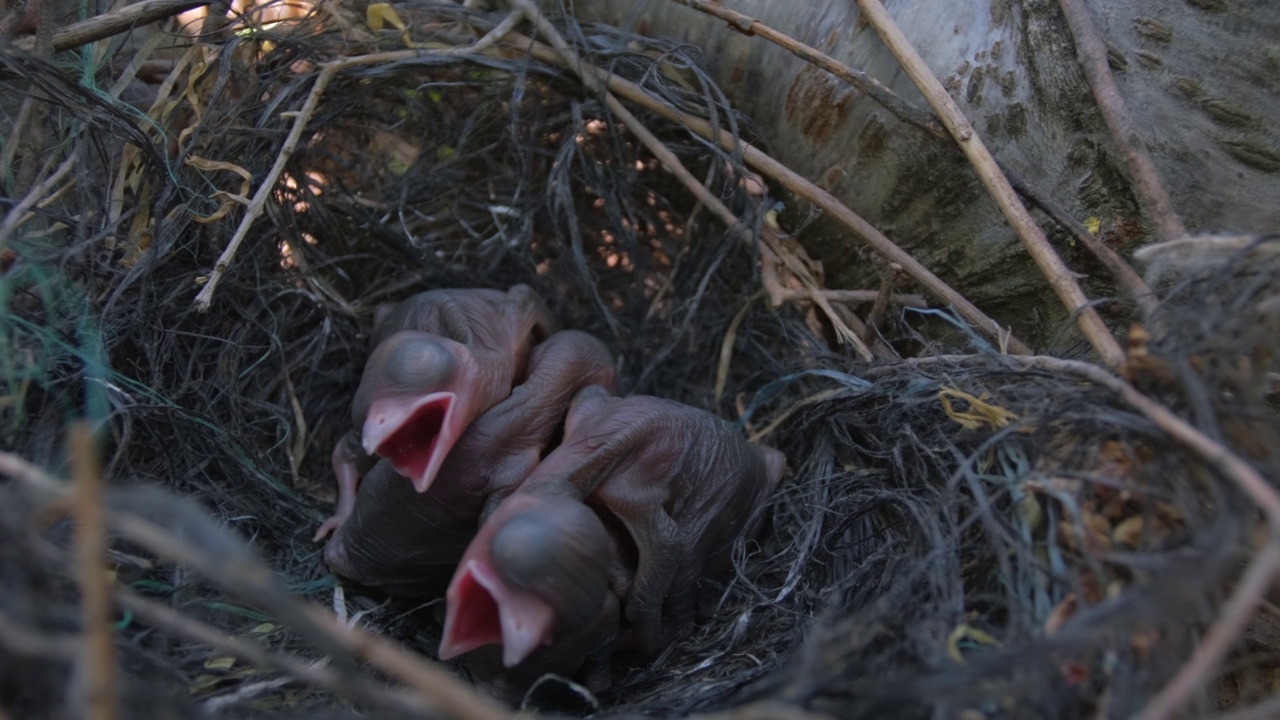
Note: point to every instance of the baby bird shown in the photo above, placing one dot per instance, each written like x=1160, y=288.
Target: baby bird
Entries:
x=408, y=543
x=673, y=487
x=440, y=358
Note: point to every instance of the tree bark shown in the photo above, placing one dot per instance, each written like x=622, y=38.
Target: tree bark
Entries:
x=1200, y=77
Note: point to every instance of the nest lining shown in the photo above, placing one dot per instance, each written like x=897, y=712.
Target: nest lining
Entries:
x=920, y=561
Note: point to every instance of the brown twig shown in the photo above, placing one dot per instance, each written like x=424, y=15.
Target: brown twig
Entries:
x=433, y=684
x=882, y=297
x=18, y=214
x=590, y=76
x=317, y=674
x=114, y=23
x=230, y=565
x=1092, y=54
x=1248, y=593
x=861, y=296
x=1222, y=635
x=1125, y=276
x=928, y=122
x=96, y=669
x=726, y=346
x=1249, y=480
x=25, y=640
x=258, y=204
x=1060, y=278
x=436, y=686
x=802, y=187
x=863, y=82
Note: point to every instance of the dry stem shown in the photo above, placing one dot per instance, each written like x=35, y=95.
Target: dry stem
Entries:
x=861, y=229
x=1125, y=276
x=1248, y=593
x=591, y=78
x=1059, y=277
x=19, y=213
x=251, y=578
x=258, y=204
x=1146, y=179
x=115, y=22
x=317, y=674
x=916, y=117
x=96, y=669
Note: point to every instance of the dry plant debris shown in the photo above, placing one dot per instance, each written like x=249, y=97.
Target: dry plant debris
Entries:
x=200, y=225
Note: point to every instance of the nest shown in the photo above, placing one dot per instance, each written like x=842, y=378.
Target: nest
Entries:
x=963, y=533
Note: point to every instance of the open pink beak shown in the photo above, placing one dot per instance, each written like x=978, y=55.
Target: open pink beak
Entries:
x=415, y=433
x=482, y=610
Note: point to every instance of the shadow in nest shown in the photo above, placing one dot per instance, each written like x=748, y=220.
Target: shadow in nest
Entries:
x=960, y=537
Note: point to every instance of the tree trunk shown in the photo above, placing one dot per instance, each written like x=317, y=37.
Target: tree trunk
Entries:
x=1201, y=78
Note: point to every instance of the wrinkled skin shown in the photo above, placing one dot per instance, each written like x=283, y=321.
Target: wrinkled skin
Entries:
x=538, y=570
x=439, y=359
x=673, y=486
x=408, y=543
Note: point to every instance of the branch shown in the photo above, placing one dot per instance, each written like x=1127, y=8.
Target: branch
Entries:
x=224, y=560
x=115, y=22
x=1092, y=53
x=258, y=204
x=591, y=78
x=317, y=674
x=96, y=664
x=1060, y=278
x=908, y=113
x=864, y=83
x=768, y=166
x=1248, y=594
x=1125, y=276
x=18, y=214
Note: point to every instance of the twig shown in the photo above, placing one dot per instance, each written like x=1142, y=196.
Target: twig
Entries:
x=590, y=77
x=19, y=124
x=1125, y=276
x=1248, y=593
x=1092, y=54
x=491, y=38
x=166, y=618
x=313, y=673
x=96, y=666
x=928, y=122
x=258, y=204
x=18, y=214
x=881, y=302
x=1224, y=633
x=436, y=686
x=726, y=346
x=22, y=639
x=768, y=166
x=229, y=564
x=1212, y=452
x=864, y=83
x=114, y=22
x=1059, y=277
x=860, y=296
